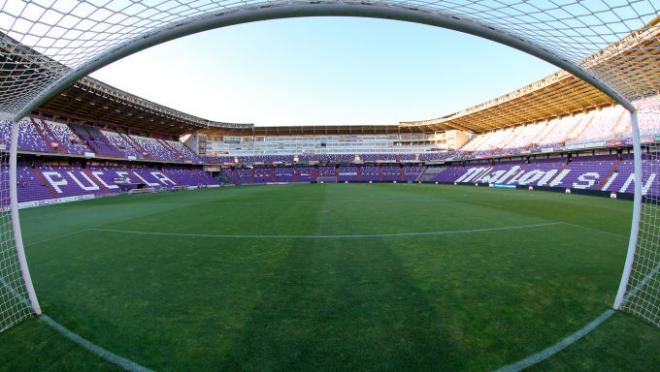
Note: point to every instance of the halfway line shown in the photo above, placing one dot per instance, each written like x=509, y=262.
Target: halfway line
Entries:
x=354, y=236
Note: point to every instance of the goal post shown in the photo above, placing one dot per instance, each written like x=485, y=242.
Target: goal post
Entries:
x=45, y=46
x=639, y=288
x=637, y=204
x=18, y=300
x=326, y=179
x=15, y=219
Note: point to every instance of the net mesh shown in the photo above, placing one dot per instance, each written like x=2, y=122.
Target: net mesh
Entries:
x=14, y=305
x=44, y=41
x=642, y=295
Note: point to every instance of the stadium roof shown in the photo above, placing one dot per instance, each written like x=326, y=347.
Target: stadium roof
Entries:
x=560, y=93
x=94, y=101
x=317, y=129
x=557, y=95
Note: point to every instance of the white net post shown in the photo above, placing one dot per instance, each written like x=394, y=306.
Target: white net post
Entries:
x=639, y=290
x=17, y=298
x=15, y=219
x=634, y=229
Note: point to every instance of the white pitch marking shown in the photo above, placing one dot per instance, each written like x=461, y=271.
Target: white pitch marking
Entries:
x=561, y=345
x=108, y=356
x=56, y=237
x=355, y=236
x=554, y=349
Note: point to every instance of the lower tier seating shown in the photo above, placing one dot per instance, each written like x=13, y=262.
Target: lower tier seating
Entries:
x=609, y=173
x=41, y=181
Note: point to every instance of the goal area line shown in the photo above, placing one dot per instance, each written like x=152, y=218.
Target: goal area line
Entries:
x=337, y=236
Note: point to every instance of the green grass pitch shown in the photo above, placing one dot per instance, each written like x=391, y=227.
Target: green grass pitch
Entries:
x=503, y=274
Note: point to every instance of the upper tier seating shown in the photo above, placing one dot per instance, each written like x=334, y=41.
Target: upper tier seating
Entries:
x=121, y=143
x=186, y=154
x=65, y=137
x=155, y=149
x=96, y=141
x=592, y=128
x=595, y=128
x=5, y=133
x=603, y=125
x=47, y=136
x=648, y=111
x=29, y=139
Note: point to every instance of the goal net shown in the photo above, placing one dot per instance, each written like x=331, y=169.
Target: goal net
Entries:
x=46, y=45
x=642, y=292
x=326, y=179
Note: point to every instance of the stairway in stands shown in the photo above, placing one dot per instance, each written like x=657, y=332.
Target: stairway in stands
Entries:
x=42, y=179
x=549, y=182
x=46, y=135
x=104, y=188
x=84, y=136
x=171, y=148
x=142, y=152
x=603, y=182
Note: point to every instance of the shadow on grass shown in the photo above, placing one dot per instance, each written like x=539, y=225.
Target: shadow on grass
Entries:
x=333, y=307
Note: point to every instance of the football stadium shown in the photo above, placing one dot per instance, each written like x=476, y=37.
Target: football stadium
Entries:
x=518, y=233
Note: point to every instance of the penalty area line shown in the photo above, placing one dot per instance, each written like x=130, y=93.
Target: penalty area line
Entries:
x=102, y=353
x=561, y=345
x=338, y=236
x=109, y=356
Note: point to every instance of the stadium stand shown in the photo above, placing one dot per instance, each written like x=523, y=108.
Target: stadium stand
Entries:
x=592, y=128
x=45, y=179
x=95, y=140
x=61, y=135
x=611, y=173
x=556, y=132
x=58, y=179
x=118, y=141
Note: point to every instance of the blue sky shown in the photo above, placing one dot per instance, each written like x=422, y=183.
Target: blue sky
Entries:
x=324, y=71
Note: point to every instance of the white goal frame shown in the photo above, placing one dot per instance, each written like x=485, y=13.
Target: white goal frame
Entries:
x=459, y=15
